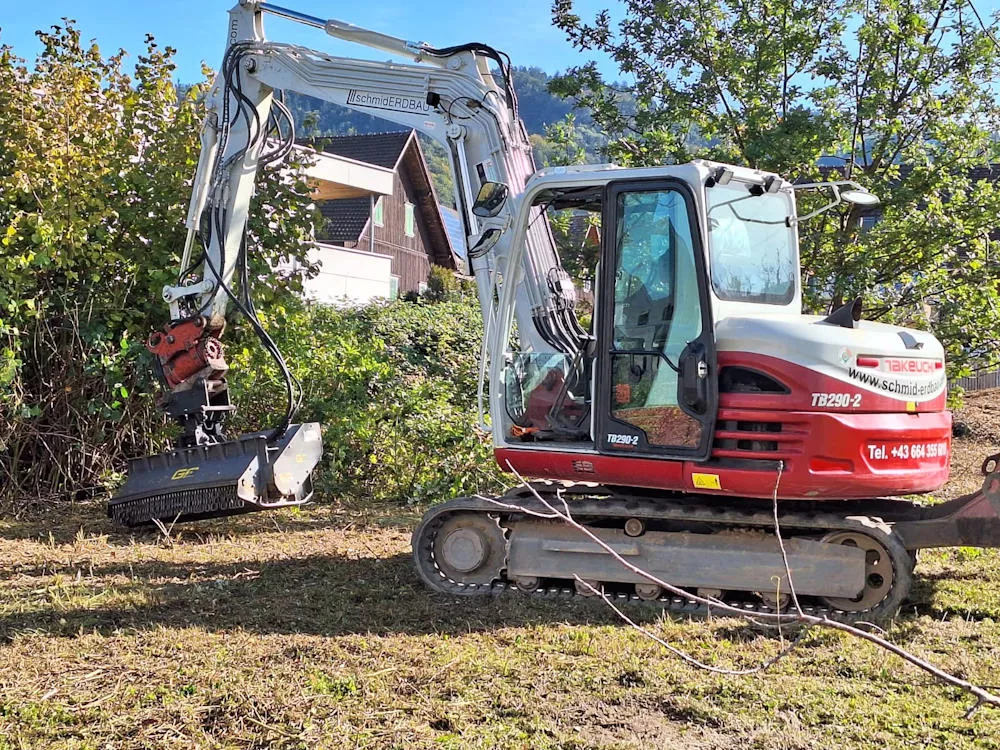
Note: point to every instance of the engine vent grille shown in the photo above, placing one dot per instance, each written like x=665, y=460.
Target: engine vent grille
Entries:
x=737, y=436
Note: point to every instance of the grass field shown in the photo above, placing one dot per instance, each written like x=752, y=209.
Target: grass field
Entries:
x=307, y=630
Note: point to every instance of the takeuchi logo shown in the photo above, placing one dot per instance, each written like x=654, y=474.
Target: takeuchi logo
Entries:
x=915, y=366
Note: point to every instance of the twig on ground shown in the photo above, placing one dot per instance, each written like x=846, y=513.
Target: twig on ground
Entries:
x=983, y=696
x=685, y=656
x=784, y=554
x=166, y=530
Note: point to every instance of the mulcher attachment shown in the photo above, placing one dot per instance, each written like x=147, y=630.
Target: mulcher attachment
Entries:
x=209, y=481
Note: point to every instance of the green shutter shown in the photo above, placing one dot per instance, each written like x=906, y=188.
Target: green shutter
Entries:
x=408, y=226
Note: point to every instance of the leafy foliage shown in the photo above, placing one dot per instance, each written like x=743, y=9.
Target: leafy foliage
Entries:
x=95, y=167
x=394, y=386
x=896, y=93
x=440, y=170
x=563, y=145
x=442, y=285
x=554, y=122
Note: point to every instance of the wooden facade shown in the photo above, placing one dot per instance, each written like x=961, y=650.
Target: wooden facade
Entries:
x=412, y=255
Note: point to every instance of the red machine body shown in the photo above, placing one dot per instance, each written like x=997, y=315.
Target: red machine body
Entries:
x=859, y=444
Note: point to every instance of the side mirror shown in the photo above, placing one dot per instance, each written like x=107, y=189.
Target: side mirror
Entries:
x=492, y=196
x=853, y=194
x=485, y=243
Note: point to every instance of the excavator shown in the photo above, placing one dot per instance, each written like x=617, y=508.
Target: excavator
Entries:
x=699, y=407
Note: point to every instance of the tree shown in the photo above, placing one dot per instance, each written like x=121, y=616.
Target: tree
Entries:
x=439, y=169
x=563, y=145
x=897, y=94
x=95, y=172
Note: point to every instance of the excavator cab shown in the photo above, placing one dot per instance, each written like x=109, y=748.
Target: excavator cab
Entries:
x=699, y=370
x=640, y=384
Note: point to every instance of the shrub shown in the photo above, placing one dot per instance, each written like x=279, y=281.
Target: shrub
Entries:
x=394, y=385
x=441, y=285
x=95, y=166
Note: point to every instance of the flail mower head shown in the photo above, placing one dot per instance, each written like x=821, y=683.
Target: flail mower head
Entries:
x=224, y=479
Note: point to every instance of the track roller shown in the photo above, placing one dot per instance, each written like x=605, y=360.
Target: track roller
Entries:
x=888, y=570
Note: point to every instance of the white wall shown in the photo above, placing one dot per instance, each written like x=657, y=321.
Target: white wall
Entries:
x=353, y=276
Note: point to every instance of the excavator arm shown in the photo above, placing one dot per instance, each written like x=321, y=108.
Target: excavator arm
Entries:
x=463, y=98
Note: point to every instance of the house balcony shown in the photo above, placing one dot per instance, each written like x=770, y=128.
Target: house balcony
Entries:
x=348, y=276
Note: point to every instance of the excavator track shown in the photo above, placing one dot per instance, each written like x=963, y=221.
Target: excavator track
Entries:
x=464, y=547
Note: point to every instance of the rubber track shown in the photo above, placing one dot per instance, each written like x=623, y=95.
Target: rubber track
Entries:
x=589, y=503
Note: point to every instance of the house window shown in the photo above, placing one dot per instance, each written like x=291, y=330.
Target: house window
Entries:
x=408, y=224
x=869, y=221
x=393, y=287
x=378, y=214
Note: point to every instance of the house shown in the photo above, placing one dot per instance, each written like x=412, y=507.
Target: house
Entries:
x=382, y=227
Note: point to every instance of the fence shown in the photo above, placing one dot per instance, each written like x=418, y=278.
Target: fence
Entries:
x=979, y=382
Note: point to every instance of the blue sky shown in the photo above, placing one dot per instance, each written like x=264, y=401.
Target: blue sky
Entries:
x=196, y=28
x=522, y=28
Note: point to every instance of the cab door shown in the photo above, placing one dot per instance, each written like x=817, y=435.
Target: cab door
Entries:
x=657, y=387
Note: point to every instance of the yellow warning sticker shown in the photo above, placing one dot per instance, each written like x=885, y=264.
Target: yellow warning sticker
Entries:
x=911, y=406
x=706, y=481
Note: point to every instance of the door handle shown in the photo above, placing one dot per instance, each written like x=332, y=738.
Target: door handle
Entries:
x=693, y=381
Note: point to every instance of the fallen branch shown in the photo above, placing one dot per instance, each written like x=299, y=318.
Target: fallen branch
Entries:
x=784, y=554
x=687, y=657
x=983, y=696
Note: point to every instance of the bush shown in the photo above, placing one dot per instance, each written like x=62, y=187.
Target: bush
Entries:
x=442, y=285
x=394, y=385
x=95, y=166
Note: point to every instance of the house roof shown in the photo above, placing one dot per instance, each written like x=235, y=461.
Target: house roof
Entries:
x=345, y=218
x=989, y=172
x=582, y=230
x=381, y=149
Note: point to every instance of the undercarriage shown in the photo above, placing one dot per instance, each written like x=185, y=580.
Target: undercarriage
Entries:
x=849, y=560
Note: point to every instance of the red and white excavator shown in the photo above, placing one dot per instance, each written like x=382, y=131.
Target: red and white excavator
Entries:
x=699, y=392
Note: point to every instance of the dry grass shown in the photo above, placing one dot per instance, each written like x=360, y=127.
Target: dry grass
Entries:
x=307, y=630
